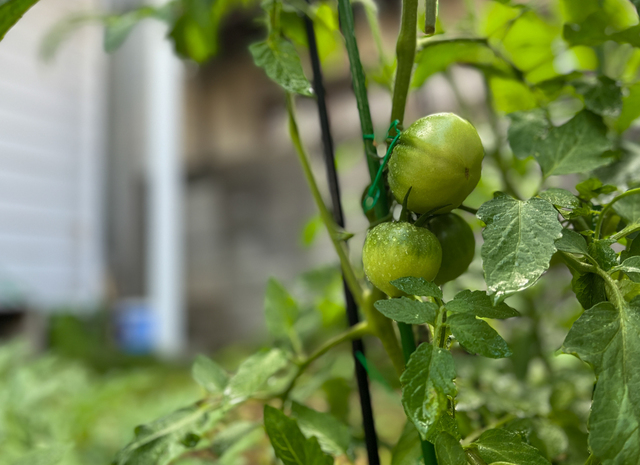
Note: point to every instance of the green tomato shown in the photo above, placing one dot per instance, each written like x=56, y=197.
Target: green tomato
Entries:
x=440, y=157
x=396, y=250
x=458, y=245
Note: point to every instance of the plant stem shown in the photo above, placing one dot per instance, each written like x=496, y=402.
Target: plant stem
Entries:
x=577, y=264
x=407, y=339
x=358, y=82
x=382, y=328
x=608, y=206
x=327, y=219
x=613, y=292
x=625, y=232
x=443, y=330
x=406, y=52
x=371, y=10
x=430, y=17
x=440, y=330
x=354, y=332
x=357, y=346
x=593, y=460
x=468, y=209
x=409, y=347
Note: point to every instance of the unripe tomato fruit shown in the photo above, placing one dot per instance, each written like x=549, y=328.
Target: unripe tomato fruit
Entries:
x=396, y=250
x=458, y=245
x=440, y=157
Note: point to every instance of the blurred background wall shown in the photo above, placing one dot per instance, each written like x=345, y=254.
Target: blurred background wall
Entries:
x=52, y=142
x=79, y=177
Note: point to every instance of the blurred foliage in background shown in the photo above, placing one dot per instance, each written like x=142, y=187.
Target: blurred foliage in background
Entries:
x=81, y=402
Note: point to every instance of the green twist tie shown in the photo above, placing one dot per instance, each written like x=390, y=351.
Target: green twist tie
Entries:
x=373, y=195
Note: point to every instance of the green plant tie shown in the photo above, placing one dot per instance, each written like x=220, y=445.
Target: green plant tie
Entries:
x=373, y=195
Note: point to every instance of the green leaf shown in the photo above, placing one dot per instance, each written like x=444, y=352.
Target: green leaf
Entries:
x=289, y=443
x=578, y=146
x=234, y=453
x=629, y=289
x=49, y=455
x=589, y=289
x=311, y=230
x=608, y=338
x=527, y=129
x=325, y=22
x=11, y=11
x=418, y=286
x=449, y=450
x=630, y=108
x=592, y=22
x=572, y=242
x=518, y=242
x=408, y=450
x=195, y=31
x=567, y=204
x=437, y=53
x=602, y=252
x=118, y=27
x=629, y=208
x=228, y=437
x=477, y=337
x=632, y=250
x=407, y=310
x=426, y=385
x=253, y=373
x=333, y=435
x=618, y=13
x=281, y=311
x=599, y=27
x=602, y=95
x=511, y=95
x=479, y=304
x=499, y=445
x=561, y=198
x=447, y=424
x=160, y=442
x=592, y=188
x=281, y=62
x=630, y=267
x=209, y=374
x=529, y=43
x=338, y=391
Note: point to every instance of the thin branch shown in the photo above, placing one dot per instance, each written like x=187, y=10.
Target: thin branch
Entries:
x=406, y=52
x=327, y=219
x=354, y=332
x=608, y=207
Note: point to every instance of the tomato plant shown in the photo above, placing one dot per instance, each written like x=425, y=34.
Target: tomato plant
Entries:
x=561, y=90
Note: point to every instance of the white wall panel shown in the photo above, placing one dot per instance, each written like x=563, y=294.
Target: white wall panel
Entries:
x=51, y=144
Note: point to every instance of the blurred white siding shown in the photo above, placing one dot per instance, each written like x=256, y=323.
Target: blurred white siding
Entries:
x=51, y=120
